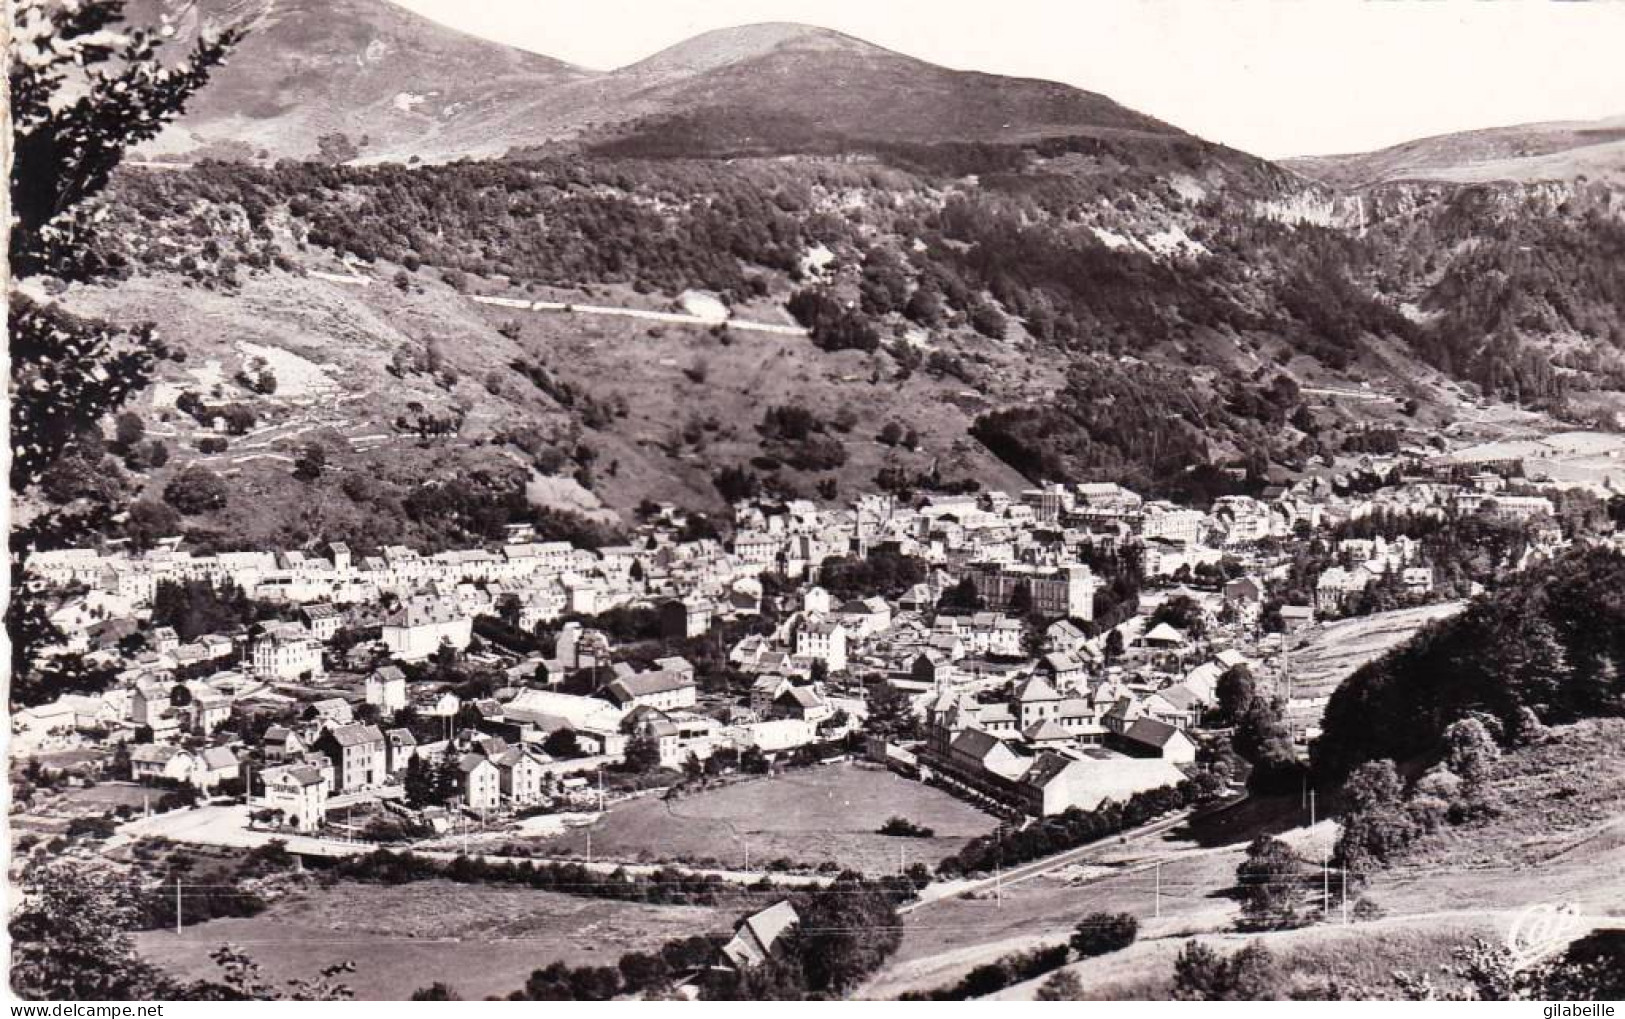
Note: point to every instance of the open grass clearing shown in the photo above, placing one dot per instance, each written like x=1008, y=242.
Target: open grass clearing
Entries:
x=1334, y=651
x=481, y=940
x=809, y=816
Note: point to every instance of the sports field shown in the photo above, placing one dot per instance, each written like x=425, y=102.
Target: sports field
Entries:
x=809, y=816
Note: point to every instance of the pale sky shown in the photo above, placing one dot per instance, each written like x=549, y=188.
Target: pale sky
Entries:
x=1273, y=77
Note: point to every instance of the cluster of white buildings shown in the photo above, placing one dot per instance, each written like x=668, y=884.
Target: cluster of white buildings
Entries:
x=1065, y=735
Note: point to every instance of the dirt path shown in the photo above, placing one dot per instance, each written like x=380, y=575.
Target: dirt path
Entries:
x=641, y=313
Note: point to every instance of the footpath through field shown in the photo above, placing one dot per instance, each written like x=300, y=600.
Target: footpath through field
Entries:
x=228, y=826
x=677, y=318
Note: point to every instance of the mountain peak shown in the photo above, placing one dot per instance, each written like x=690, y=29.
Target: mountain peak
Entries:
x=378, y=82
x=723, y=47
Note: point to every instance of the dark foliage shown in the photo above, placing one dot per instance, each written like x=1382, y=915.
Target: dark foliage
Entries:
x=1555, y=643
x=884, y=572
x=1067, y=830
x=1100, y=933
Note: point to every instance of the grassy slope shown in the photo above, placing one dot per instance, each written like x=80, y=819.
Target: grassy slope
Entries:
x=1555, y=151
x=1334, y=651
x=1563, y=801
x=1560, y=838
x=354, y=330
x=480, y=940
x=1361, y=955
x=648, y=363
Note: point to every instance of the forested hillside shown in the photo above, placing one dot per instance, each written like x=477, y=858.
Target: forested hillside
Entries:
x=1064, y=256
x=1553, y=644
x=1001, y=278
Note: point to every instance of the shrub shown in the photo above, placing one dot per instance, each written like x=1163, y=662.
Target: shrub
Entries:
x=196, y=490
x=1062, y=986
x=1100, y=933
x=1202, y=974
x=903, y=827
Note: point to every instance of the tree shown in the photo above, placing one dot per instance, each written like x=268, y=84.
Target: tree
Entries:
x=84, y=89
x=1375, y=785
x=128, y=430
x=594, y=983
x=988, y=320
x=239, y=418
x=1202, y=974
x=157, y=453
x=736, y=484
x=81, y=477
x=1062, y=985
x=196, y=607
x=890, y=712
x=1263, y=740
x=1471, y=752
x=448, y=779
x=962, y=595
x=1114, y=645
x=69, y=940
x=562, y=743
x=641, y=971
x=1376, y=823
x=1236, y=691
x=147, y=521
x=419, y=784
x=753, y=761
x=1182, y=613
x=241, y=979
x=436, y=991
x=1021, y=599
x=642, y=753
x=1100, y=933
x=846, y=931
x=1270, y=884
x=196, y=490
x=336, y=148
x=311, y=462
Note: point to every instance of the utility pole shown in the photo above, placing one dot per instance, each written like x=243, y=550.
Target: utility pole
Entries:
x=177, y=906
x=589, y=845
x=998, y=869
x=1158, y=899
x=1345, y=872
x=1311, y=808
x=1325, y=885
